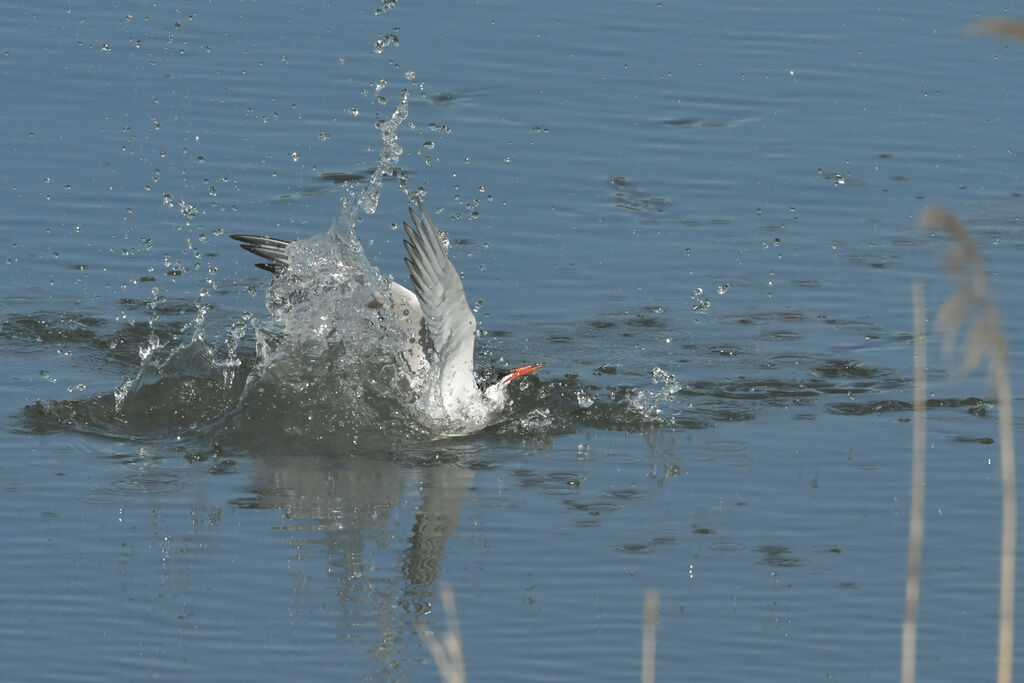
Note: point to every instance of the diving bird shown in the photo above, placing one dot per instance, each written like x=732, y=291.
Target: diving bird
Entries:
x=438, y=326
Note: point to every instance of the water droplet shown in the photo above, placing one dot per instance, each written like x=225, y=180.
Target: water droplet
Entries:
x=385, y=42
x=700, y=305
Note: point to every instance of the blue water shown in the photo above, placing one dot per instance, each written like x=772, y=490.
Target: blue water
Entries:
x=701, y=219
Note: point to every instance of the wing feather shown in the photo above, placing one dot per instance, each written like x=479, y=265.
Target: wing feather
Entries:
x=446, y=313
x=270, y=248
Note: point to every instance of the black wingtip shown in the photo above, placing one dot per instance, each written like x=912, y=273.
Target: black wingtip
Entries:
x=265, y=247
x=269, y=267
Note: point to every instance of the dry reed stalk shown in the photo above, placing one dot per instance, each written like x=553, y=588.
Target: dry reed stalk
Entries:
x=1009, y=28
x=650, y=635
x=447, y=650
x=917, y=488
x=972, y=310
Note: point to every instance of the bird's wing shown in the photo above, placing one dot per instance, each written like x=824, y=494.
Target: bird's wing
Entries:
x=410, y=319
x=268, y=248
x=446, y=313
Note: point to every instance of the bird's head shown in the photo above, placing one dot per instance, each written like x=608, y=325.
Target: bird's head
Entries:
x=496, y=392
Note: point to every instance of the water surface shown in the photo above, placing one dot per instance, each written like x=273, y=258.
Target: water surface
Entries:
x=702, y=219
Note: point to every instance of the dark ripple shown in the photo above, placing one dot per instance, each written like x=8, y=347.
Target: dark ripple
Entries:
x=842, y=368
x=628, y=196
x=975, y=406
x=339, y=177
x=136, y=484
x=72, y=332
x=779, y=556
x=592, y=508
x=626, y=494
x=763, y=317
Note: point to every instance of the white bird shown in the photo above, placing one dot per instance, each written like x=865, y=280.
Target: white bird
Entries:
x=438, y=325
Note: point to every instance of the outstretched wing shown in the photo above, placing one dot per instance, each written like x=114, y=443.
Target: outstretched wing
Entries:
x=268, y=248
x=446, y=313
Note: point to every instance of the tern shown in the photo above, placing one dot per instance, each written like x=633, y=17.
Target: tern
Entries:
x=437, y=324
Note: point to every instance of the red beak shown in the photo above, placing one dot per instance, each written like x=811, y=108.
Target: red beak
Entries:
x=520, y=372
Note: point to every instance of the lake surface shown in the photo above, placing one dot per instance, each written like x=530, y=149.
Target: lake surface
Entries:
x=703, y=220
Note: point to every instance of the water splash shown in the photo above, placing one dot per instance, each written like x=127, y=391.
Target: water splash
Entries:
x=653, y=403
x=329, y=355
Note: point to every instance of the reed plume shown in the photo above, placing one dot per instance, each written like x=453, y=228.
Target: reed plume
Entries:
x=971, y=313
